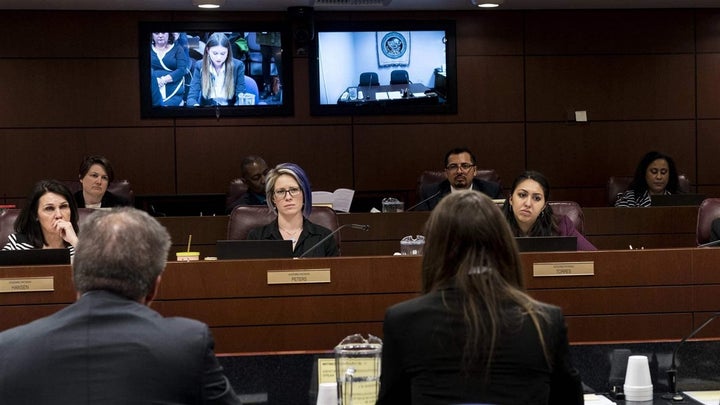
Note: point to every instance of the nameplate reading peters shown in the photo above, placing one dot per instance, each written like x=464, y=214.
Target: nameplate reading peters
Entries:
x=560, y=269
x=27, y=284
x=301, y=276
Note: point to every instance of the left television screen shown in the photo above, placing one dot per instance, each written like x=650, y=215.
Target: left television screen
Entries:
x=193, y=69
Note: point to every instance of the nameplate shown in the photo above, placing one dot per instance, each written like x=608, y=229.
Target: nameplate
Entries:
x=559, y=269
x=304, y=276
x=326, y=370
x=27, y=284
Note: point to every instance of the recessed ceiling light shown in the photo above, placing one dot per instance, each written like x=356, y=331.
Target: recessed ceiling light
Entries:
x=486, y=3
x=208, y=3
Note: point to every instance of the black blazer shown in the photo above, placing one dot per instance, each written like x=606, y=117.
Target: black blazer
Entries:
x=715, y=230
x=311, y=235
x=422, y=355
x=108, y=200
x=435, y=192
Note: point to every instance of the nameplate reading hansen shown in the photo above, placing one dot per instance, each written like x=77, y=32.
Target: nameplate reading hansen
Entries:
x=27, y=284
x=559, y=269
x=304, y=276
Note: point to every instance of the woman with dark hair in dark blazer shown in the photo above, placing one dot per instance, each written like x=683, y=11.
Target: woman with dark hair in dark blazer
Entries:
x=96, y=174
x=49, y=219
x=474, y=336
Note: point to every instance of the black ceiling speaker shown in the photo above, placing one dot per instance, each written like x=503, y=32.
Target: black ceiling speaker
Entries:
x=303, y=30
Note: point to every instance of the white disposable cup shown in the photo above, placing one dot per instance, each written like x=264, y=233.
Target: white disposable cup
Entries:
x=638, y=384
x=327, y=394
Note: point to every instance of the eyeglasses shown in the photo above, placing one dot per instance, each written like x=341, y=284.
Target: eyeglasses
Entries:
x=453, y=167
x=293, y=191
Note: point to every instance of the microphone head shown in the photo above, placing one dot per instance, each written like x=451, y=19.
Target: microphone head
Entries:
x=361, y=227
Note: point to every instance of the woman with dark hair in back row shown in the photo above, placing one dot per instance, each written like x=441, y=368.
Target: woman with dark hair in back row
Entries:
x=655, y=174
x=474, y=336
x=49, y=219
x=95, y=175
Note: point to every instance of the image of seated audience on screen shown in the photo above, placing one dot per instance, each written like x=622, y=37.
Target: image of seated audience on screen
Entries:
x=190, y=68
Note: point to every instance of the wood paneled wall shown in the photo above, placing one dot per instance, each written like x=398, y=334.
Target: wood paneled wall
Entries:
x=648, y=79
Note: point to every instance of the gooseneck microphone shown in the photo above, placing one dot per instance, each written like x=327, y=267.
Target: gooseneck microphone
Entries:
x=424, y=201
x=331, y=234
x=672, y=371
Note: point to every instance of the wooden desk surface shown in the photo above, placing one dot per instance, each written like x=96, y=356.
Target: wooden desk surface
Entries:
x=651, y=294
x=606, y=227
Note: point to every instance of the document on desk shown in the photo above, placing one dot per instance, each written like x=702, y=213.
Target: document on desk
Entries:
x=704, y=397
x=594, y=399
x=394, y=95
x=381, y=95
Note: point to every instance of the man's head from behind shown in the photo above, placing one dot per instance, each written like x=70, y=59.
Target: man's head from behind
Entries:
x=460, y=167
x=253, y=170
x=123, y=250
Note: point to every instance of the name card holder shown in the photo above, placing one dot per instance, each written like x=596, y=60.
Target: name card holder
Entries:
x=562, y=269
x=27, y=284
x=302, y=276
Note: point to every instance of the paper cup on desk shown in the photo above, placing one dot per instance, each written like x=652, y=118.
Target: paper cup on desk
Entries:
x=187, y=256
x=327, y=394
x=638, y=384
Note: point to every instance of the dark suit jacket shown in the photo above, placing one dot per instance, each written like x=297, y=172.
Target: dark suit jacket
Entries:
x=422, y=356
x=311, y=235
x=106, y=349
x=435, y=192
x=715, y=230
x=109, y=200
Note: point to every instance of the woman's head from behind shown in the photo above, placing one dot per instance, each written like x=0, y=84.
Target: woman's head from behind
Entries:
x=288, y=189
x=47, y=200
x=655, y=173
x=95, y=175
x=527, y=203
x=467, y=235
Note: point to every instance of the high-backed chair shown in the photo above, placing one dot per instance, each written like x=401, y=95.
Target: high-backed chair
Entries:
x=708, y=211
x=399, y=76
x=431, y=177
x=246, y=217
x=120, y=188
x=369, y=79
x=7, y=223
x=252, y=88
x=620, y=184
x=236, y=190
x=572, y=210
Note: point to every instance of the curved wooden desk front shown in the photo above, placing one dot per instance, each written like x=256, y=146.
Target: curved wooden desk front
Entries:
x=634, y=295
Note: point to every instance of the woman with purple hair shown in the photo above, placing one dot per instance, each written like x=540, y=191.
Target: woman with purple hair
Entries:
x=289, y=193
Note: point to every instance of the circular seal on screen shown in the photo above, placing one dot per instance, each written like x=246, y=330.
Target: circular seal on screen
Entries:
x=394, y=45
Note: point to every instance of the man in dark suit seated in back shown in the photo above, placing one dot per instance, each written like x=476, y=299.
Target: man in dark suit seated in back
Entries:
x=253, y=170
x=460, y=167
x=109, y=347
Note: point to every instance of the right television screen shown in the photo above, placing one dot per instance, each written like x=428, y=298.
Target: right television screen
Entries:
x=383, y=67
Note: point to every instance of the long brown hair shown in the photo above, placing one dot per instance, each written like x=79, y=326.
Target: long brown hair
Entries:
x=469, y=246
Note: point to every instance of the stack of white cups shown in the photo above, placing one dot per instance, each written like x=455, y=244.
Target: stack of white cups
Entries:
x=327, y=394
x=638, y=385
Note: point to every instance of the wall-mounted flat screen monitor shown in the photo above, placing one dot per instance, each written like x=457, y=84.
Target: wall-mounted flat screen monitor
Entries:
x=228, y=69
x=383, y=67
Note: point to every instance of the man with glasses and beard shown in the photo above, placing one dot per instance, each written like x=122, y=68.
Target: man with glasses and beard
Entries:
x=460, y=170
